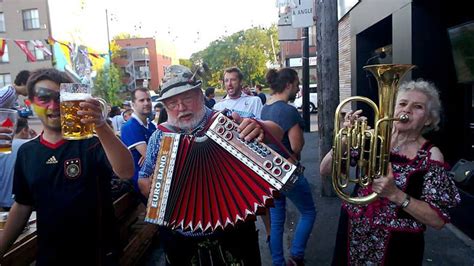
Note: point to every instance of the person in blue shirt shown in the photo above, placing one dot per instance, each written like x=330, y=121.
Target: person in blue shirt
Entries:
x=210, y=93
x=138, y=129
x=284, y=85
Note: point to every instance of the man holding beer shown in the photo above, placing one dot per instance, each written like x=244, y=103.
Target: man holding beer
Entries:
x=67, y=182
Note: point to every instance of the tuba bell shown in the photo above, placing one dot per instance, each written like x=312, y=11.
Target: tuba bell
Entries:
x=360, y=147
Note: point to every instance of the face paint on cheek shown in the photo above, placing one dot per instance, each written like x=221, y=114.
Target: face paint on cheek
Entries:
x=39, y=110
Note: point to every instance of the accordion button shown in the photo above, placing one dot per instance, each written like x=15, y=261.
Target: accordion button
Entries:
x=220, y=130
x=286, y=167
x=277, y=160
x=229, y=126
x=228, y=136
x=221, y=120
x=276, y=171
x=268, y=165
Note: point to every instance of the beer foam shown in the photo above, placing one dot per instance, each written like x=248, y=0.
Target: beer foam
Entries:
x=69, y=96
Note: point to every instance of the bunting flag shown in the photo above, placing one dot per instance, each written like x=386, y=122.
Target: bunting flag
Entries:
x=95, y=55
x=65, y=52
x=52, y=41
x=86, y=55
x=2, y=46
x=24, y=48
x=39, y=45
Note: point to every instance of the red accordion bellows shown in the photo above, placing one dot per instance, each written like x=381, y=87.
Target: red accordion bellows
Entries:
x=202, y=183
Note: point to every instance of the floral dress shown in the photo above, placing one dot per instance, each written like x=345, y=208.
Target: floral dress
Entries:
x=381, y=233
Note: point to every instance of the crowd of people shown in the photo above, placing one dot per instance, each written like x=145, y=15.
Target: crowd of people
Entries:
x=68, y=182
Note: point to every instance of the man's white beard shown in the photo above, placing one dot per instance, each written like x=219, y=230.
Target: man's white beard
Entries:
x=174, y=121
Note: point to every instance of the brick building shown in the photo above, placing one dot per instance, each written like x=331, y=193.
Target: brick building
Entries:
x=142, y=62
x=23, y=20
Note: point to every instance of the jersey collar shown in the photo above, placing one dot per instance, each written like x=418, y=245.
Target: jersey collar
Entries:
x=49, y=144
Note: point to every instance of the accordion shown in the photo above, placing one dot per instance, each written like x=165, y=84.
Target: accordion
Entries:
x=216, y=180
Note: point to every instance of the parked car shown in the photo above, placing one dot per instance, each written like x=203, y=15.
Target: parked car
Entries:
x=313, y=99
x=24, y=111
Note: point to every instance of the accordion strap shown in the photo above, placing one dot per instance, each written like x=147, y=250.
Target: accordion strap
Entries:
x=273, y=140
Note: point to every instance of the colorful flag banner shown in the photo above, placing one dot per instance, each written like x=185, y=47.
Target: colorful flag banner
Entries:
x=24, y=48
x=86, y=55
x=39, y=45
x=52, y=41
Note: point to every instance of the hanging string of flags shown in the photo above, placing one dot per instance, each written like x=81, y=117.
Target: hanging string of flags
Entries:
x=78, y=59
x=38, y=44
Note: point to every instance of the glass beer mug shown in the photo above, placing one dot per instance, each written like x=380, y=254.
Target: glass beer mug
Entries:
x=71, y=95
x=8, y=121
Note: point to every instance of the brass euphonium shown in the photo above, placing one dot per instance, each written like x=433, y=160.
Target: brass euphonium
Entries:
x=370, y=149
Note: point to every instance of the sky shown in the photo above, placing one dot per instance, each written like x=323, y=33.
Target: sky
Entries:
x=189, y=24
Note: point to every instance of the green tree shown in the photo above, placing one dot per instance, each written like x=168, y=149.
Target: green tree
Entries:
x=186, y=63
x=250, y=50
x=125, y=35
x=107, y=84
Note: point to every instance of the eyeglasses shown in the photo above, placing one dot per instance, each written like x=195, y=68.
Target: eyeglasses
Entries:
x=187, y=101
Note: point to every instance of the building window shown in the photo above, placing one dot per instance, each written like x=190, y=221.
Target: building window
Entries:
x=5, y=79
x=31, y=19
x=5, y=58
x=2, y=22
x=39, y=55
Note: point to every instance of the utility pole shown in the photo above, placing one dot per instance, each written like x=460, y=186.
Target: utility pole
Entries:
x=328, y=79
x=108, y=34
x=305, y=79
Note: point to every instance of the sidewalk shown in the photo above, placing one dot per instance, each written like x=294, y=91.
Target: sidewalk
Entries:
x=441, y=247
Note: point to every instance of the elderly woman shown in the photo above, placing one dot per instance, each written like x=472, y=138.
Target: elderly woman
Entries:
x=415, y=193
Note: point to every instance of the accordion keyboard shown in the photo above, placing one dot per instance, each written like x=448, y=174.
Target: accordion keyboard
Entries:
x=264, y=161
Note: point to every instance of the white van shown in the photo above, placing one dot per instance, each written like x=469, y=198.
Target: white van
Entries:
x=313, y=99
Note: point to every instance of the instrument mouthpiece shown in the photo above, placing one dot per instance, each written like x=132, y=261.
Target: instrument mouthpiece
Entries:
x=404, y=118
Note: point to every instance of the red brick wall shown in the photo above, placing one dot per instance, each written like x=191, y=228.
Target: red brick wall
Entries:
x=157, y=61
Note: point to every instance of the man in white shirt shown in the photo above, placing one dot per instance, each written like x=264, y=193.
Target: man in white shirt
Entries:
x=236, y=100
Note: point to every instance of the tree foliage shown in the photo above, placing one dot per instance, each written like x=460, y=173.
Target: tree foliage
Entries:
x=250, y=50
x=107, y=84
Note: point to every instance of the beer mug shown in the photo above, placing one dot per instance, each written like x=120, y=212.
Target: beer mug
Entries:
x=71, y=95
x=8, y=120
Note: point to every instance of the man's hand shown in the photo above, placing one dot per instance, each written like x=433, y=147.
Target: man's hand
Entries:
x=92, y=112
x=248, y=128
x=6, y=130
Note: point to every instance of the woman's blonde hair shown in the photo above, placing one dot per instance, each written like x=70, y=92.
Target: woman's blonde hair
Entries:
x=433, y=105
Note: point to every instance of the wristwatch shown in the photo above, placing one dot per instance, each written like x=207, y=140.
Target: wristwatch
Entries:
x=406, y=201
